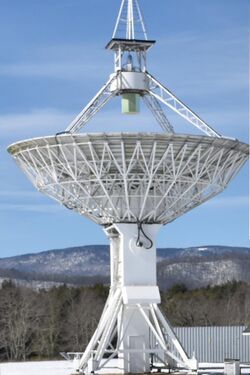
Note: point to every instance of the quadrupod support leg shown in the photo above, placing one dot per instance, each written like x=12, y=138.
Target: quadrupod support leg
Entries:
x=133, y=335
x=101, y=349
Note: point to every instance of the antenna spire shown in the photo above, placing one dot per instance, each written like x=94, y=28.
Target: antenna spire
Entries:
x=130, y=24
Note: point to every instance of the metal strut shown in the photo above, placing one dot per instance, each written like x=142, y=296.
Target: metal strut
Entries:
x=152, y=91
x=156, y=109
x=152, y=95
x=169, y=99
x=130, y=21
x=99, y=100
x=157, y=325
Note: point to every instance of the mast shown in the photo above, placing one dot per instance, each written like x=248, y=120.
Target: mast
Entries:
x=130, y=23
x=129, y=41
x=131, y=79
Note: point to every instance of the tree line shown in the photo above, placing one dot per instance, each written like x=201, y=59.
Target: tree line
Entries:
x=40, y=324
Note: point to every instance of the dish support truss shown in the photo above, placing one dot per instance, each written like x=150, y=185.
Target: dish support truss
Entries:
x=130, y=177
x=132, y=327
x=153, y=93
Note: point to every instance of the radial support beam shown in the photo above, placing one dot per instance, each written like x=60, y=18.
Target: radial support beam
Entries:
x=159, y=114
x=170, y=100
x=100, y=99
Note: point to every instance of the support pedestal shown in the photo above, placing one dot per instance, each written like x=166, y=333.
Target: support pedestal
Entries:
x=132, y=328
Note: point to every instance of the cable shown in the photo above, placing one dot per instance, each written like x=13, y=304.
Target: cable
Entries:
x=66, y=206
x=139, y=243
x=61, y=133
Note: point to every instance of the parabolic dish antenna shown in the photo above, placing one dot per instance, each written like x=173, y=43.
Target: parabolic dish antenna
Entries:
x=130, y=177
x=132, y=184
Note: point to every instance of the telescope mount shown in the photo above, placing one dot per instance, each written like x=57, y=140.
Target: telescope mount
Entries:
x=132, y=184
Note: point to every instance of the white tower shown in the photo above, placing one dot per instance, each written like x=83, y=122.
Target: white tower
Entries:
x=132, y=184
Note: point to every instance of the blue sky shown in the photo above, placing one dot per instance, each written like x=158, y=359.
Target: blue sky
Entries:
x=53, y=61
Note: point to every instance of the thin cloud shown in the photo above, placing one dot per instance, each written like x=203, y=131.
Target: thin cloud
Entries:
x=50, y=121
x=18, y=194
x=64, y=62
x=235, y=36
x=39, y=122
x=39, y=208
x=66, y=71
x=204, y=64
x=229, y=202
x=36, y=121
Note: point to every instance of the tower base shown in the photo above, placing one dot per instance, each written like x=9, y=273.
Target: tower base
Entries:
x=132, y=328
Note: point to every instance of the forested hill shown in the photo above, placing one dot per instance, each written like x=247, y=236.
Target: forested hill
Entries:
x=86, y=265
x=40, y=324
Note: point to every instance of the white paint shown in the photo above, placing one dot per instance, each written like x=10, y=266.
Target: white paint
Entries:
x=137, y=267
x=129, y=81
x=140, y=294
x=131, y=312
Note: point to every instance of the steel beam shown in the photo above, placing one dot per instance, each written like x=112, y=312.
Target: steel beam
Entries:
x=170, y=100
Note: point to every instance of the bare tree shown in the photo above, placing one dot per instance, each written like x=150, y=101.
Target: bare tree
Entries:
x=17, y=322
x=84, y=312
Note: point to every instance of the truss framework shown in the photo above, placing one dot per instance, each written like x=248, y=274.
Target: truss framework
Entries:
x=102, y=97
x=130, y=23
x=127, y=49
x=164, y=345
x=169, y=99
x=130, y=177
x=160, y=116
x=124, y=180
x=153, y=94
x=119, y=180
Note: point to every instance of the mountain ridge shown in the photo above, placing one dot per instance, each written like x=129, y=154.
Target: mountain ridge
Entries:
x=84, y=265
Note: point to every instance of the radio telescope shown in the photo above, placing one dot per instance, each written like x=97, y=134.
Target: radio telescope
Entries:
x=132, y=184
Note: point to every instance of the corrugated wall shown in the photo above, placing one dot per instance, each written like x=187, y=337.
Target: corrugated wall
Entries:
x=214, y=344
